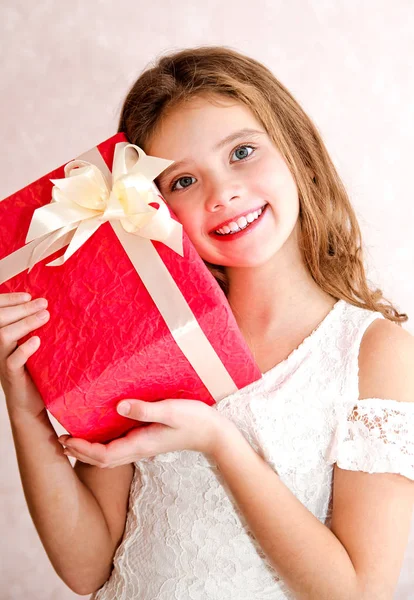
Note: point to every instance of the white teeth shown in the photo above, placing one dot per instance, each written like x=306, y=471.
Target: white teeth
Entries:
x=241, y=223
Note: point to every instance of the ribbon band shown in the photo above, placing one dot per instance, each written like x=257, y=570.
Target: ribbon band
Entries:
x=91, y=195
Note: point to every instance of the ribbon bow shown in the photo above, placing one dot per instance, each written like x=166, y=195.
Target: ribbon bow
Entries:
x=84, y=200
x=91, y=195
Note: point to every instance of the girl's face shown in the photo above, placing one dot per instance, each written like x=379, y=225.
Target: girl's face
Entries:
x=226, y=169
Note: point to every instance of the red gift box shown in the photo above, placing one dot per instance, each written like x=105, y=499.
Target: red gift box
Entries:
x=108, y=337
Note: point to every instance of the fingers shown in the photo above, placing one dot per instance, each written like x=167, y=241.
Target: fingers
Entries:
x=18, y=320
x=14, y=307
x=153, y=412
x=99, y=454
x=82, y=457
x=13, y=299
x=135, y=445
x=95, y=463
x=20, y=356
x=92, y=454
x=18, y=317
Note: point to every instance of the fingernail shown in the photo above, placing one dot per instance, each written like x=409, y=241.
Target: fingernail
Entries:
x=40, y=303
x=43, y=315
x=124, y=408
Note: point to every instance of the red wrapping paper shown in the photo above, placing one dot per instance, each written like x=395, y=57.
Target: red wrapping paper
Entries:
x=105, y=339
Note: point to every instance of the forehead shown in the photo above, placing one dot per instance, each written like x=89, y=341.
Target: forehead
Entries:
x=199, y=122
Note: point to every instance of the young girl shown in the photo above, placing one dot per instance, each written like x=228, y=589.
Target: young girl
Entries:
x=297, y=486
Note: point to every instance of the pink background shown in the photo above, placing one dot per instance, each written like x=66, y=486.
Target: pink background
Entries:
x=66, y=68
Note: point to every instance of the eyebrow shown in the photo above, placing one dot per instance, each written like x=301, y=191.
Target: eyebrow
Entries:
x=229, y=138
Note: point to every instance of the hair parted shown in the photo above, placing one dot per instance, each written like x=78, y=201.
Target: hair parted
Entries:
x=330, y=234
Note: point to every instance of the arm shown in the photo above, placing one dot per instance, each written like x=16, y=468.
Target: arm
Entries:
x=309, y=558
x=79, y=514
x=361, y=557
x=79, y=535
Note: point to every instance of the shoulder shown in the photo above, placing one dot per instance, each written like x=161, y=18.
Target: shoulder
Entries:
x=376, y=540
x=386, y=359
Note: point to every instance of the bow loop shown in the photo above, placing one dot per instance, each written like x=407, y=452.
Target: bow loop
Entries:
x=84, y=199
x=84, y=184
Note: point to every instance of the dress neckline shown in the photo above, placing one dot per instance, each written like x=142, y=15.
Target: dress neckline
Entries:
x=289, y=360
x=317, y=332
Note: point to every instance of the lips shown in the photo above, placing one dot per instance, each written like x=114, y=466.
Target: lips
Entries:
x=227, y=238
x=220, y=225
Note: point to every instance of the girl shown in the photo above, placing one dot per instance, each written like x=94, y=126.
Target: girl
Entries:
x=297, y=486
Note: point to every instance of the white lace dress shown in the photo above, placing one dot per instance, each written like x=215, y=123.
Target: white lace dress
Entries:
x=185, y=538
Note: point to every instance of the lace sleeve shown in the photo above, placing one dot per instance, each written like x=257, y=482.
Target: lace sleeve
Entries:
x=377, y=437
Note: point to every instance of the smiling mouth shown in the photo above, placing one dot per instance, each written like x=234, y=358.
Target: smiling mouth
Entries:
x=231, y=233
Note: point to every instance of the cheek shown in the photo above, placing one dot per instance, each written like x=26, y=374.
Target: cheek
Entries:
x=277, y=177
x=187, y=218
x=192, y=226
x=284, y=186
x=274, y=169
x=267, y=178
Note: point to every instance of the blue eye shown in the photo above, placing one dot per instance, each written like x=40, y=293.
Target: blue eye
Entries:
x=242, y=149
x=186, y=183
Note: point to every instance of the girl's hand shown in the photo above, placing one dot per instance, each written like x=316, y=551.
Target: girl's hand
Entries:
x=18, y=317
x=173, y=425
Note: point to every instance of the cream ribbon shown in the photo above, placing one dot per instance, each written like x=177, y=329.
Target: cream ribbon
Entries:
x=88, y=197
x=85, y=199
x=91, y=195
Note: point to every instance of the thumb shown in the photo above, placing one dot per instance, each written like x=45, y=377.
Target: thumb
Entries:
x=140, y=410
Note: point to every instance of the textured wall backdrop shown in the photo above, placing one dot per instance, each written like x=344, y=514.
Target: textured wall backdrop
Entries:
x=66, y=67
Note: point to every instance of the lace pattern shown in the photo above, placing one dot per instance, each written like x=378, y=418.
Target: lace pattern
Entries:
x=378, y=437
x=184, y=540
x=185, y=537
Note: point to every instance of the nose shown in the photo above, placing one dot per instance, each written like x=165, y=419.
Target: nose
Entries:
x=221, y=192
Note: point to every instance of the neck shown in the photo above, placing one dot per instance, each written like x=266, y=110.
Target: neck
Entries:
x=277, y=299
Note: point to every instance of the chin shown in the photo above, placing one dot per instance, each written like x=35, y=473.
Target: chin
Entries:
x=258, y=257
x=251, y=263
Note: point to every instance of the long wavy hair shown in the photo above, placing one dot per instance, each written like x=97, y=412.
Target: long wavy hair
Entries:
x=330, y=237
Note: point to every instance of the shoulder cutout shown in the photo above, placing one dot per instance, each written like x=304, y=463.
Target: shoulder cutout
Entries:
x=386, y=362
